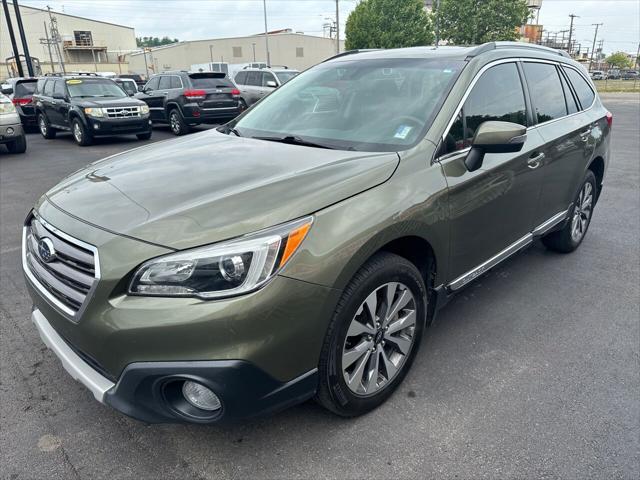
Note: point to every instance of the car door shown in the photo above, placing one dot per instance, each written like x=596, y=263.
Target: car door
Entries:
x=151, y=96
x=253, y=86
x=266, y=88
x=565, y=133
x=46, y=102
x=492, y=209
x=61, y=103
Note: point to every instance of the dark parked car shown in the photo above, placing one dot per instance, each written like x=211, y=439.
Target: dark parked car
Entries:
x=136, y=78
x=302, y=249
x=88, y=106
x=629, y=75
x=20, y=91
x=184, y=99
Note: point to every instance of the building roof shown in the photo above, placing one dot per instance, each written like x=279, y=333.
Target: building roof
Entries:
x=22, y=7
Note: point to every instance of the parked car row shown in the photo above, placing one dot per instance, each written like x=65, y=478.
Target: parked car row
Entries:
x=89, y=105
x=11, y=132
x=615, y=74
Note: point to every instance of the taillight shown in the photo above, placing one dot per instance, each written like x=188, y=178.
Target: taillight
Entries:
x=235, y=92
x=609, y=119
x=195, y=94
x=21, y=101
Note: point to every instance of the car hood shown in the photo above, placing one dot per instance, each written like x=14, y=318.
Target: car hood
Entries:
x=209, y=187
x=108, y=102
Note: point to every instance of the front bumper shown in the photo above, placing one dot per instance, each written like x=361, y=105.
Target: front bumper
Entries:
x=9, y=133
x=194, y=113
x=104, y=126
x=143, y=389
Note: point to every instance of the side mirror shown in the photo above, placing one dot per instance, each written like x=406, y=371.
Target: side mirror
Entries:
x=58, y=96
x=272, y=84
x=495, y=137
x=6, y=89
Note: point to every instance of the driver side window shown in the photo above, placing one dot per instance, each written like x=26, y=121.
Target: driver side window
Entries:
x=497, y=95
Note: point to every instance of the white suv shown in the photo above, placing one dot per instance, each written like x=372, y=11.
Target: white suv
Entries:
x=256, y=83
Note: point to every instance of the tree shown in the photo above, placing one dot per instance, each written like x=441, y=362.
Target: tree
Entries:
x=470, y=22
x=388, y=24
x=618, y=60
x=154, y=41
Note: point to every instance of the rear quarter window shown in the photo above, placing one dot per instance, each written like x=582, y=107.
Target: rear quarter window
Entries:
x=546, y=91
x=581, y=86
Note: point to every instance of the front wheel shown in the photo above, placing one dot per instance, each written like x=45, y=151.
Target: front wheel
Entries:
x=80, y=133
x=373, y=336
x=19, y=145
x=571, y=235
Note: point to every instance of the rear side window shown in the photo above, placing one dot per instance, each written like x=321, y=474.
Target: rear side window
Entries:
x=24, y=89
x=59, y=88
x=582, y=88
x=546, y=91
x=497, y=95
x=175, y=82
x=268, y=77
x=48, y=88
x=40, y=85
x=165, y=82
x=254, y=79
x=572, y=105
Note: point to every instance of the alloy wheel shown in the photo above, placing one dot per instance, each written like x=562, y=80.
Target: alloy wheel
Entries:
x=175, y=122
x=582, y=212
x=379, y=339
x=77, y=132
x=43, y=126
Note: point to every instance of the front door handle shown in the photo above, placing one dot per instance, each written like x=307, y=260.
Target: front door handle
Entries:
x=535, y=161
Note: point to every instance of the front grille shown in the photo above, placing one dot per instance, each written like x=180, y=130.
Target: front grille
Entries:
x=122, y=112
x=69, y=275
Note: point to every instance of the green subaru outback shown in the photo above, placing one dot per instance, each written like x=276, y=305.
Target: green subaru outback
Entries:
x=301, y=250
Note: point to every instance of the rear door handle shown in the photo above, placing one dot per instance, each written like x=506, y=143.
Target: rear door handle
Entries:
x=535, y=161
x=584, y=136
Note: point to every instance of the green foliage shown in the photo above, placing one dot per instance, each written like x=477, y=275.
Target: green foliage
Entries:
x=472, y=22
x=154, y=41
x=618, y=60
x=388, y=24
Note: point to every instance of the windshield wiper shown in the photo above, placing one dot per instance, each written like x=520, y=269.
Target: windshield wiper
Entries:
x=294, y=140
x=226, y=129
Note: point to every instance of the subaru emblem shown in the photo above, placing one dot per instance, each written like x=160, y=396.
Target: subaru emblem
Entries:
x=46, y=250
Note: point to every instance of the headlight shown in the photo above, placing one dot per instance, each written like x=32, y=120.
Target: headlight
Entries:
x=144, y=109
x=94, y=112
x=223, y=269
x=7, y=107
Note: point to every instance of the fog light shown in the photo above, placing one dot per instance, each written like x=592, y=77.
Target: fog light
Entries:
x=10, y=131
x=200, y=396
x=96, y=126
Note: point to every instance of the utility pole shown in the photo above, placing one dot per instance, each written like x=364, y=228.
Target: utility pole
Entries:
x=55, y=38
x=266, y=33
x=593, y=47
x=211, y=54
x=12, y=37
x=146, y=65
x=46, y=41
x=437, y=32
x=23, y=37
x=337, y=26
x=253, y=46
x=572, y=16
x=637, y=62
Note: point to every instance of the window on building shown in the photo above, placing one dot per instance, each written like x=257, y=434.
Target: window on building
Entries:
x=497, y=95
x=237, y=51
x=582, y=88
x=299, y=51
x=83, y=38
x=546, y=91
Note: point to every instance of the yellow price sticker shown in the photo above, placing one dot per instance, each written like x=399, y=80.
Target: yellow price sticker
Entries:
x=73, y=82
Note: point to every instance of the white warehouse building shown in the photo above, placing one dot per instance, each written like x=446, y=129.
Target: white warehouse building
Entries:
x=85, y=44
x=295, y=50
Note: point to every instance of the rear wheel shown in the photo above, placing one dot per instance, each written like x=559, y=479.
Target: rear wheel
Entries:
x=373, y=337
x=177, y=123
x=571, y=235
x=45, y=128
x=80, y=133
x=19, y=145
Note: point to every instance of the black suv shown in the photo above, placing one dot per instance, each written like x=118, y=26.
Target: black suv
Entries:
x=20, y=91
x=183, y=99
x=88, y=107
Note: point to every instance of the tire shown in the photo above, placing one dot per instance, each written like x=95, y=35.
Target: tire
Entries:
x=176, y=122
x=243, y=105
x=570, y=237
x=45, y=127
x=19, y=145
x=351, y=336
x=80, y=134
x=144, y=136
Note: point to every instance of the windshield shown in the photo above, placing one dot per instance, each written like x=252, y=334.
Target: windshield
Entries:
x=94, y=88
x=284, y=77
x=368, y=105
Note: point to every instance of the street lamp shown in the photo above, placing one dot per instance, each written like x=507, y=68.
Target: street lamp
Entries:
x=211, y=55
x=253, y=45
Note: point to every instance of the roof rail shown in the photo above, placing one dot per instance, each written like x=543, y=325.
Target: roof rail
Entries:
x=350, y=52
x=486, y=47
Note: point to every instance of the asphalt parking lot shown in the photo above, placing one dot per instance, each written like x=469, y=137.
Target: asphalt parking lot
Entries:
x=531, y=372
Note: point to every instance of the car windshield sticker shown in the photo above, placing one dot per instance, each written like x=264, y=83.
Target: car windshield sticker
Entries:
x=73, y=82
x=403, y=131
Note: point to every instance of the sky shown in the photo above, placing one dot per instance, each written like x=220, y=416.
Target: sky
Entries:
x=201, y=19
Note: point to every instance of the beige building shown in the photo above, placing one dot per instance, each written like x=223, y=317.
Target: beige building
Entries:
x=295, y=50
x=85, y=44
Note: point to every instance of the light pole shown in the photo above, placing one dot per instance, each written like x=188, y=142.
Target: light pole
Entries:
x=211, y=55
x=266, y=32
x=253, y=45
x=337, y=26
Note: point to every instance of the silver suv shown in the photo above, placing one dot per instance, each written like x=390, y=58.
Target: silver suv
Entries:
x=255, y=83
